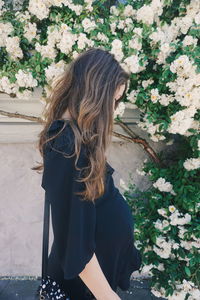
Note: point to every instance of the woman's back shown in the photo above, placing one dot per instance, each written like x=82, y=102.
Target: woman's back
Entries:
x=82, y=228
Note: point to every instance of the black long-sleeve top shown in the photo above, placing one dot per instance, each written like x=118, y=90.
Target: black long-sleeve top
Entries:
x=81, y=228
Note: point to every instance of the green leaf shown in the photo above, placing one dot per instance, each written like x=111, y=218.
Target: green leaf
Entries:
x=187, y=271
x=37, y=68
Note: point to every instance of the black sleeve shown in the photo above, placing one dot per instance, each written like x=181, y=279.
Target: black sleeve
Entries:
x=73, y=220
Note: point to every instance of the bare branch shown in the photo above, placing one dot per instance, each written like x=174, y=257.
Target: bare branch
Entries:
x=20, y=116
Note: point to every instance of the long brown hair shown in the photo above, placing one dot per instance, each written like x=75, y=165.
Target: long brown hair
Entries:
x=87, y=89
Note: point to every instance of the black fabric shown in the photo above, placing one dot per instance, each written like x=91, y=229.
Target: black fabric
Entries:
x=82, y=228
x=45, y=238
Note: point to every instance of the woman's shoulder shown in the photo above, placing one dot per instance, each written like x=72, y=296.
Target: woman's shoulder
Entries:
x=63, y=136
x=65, y=140
x=57, y=125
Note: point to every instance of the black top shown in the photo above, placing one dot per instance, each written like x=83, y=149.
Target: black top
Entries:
x=81, y=228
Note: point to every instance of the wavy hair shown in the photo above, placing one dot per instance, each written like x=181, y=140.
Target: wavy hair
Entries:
x=87, y=89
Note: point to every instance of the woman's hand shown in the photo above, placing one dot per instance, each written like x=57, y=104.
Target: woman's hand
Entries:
x=97, y=284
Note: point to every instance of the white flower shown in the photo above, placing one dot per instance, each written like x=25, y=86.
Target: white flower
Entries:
x=177, y=295
x=56, y=2
x=39, y=8
x=172, y=208
x=89, y=5
x=114, y=10
x=116, y=44
x=192, y=163
x=185, y=24
x=76, y=8
x=145, y=14
x=135, y=44
x=25, y=16
x=182, y=66
x=75, y=54
x=157, y=6
x=55, y=70
x=186, y=285
x=67, y=41
x=158, y=293
x=165, y=48
x=132, y=63
x=25, y=79
x=175, y=220
x=160, y=267
x=138, y=31
x=117, y=49
x=163, y=185
x=88, y=25
x=46, y=50
x=5, y=30
x=113, y=26
x=161, y=224
x=129, y=11
x=164, y=247
x=166, y=99
x=155, y=95
x=189, y=40
x=151, y=129
x=13, y=48
x=147, y=268
x=54, y=34
x=118, y=54
x=102, y=37
x=195, y=293
x=160, y=241
x=83, y=41
x=182, y=230
x=30, y=30
x=175, y=246
x=157, y=36
x=162, y=212
x=128, y=22
x=121, y=24
x=146, y=83
x=119, y=110
x=165, y=223
x=182, y=120
x=132, y=96
x=7, y=87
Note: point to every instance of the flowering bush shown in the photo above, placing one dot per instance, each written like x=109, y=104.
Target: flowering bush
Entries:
x=167, y=227
x=157, y=42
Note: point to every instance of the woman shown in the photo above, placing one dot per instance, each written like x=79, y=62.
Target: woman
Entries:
x=93, y=249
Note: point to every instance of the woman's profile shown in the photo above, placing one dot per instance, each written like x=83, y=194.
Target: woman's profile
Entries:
x=93, y=249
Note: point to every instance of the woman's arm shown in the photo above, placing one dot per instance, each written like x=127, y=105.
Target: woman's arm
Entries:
x=96, y=281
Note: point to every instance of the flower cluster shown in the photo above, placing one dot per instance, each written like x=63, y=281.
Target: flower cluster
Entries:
x=41, y=8
x=164, y=186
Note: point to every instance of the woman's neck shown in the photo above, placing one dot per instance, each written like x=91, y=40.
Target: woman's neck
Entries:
x=66, y=115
